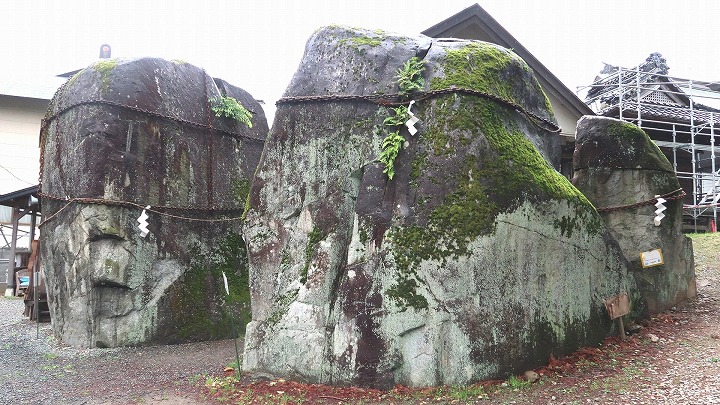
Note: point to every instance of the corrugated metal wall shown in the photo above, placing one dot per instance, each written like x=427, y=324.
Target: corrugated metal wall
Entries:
x=6, y=216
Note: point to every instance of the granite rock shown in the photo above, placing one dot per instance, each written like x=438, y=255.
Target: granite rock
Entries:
x=617, y=164
x=121, y=135
x=477, y=260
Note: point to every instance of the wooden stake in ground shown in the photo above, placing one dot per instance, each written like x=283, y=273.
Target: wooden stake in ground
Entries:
x=618, y=306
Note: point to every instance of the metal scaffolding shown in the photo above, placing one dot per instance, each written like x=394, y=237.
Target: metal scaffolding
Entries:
x=681, y=116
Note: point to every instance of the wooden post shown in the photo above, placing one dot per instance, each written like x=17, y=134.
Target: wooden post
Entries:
x=618, y=306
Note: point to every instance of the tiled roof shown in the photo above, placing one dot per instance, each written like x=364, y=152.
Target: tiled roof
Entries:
x=663, y=112
x=609, y=80
x=662, y=97
x=18, y=198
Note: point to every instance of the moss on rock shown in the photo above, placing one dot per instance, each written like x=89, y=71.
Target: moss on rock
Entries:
x=612, y=143
x=449, y=257
x=314, y=237
x=240, y=188
x=404, y=293
x=357, y=42
x=489, y=184
x=488, y=68
x=205, y=306
x=105, y=68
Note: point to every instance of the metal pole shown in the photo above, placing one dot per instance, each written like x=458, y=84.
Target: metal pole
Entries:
x=36, y=285
x=10, y=286
x=620, y=92
x=33, y=221
x=696, y=211
x=36, y=280
x=237, y=355
x=232, y=325
x=674, y=149
x=712, y=165
x=637, y=94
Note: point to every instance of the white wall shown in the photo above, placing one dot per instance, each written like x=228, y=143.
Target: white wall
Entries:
x=19, y=154
x=19, y=151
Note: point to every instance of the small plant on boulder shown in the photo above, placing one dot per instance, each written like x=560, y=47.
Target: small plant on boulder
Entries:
x=231, y=108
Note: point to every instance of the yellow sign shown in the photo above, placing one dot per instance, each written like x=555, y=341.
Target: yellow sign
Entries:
x=652, y=258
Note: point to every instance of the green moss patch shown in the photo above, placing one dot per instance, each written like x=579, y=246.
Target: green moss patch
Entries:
x=240, y=188
x=487, y=68
x=489, y=183
x=205, y=306
x=366, y=41
x=105, y=68
x=74, y=77
x=314, y=237
x=404, y=294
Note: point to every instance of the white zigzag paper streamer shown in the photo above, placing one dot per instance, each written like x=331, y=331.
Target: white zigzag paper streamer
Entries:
x=227, y=290
x=659, y=214
x=142, y=222
x=410, y=123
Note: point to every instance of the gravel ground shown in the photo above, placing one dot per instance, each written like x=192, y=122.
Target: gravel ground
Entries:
x=41, y=371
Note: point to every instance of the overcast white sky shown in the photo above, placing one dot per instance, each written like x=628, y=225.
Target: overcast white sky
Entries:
x=257, y=44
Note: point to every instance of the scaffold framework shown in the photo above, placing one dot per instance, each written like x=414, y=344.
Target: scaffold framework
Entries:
x=681, y=116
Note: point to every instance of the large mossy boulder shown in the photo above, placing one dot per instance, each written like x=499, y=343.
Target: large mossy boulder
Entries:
x=121, y=135
x=476, y=260
x=617, y=166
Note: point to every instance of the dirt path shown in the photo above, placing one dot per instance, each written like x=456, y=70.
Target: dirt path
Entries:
x=39, y=371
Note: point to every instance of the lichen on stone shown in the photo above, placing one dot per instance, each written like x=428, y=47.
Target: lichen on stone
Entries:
x=314, y=237
x=486, y=186
x=281, y=305
x=240, y=188
x=105, y=68
x=207, y=267
x=445, y=260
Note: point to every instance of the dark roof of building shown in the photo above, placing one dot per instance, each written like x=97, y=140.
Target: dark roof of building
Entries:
x=69, y=74
x=20, y=198
x=478, y=24
x=606, y=85
x=665, y=113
